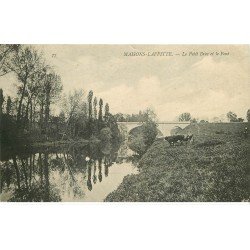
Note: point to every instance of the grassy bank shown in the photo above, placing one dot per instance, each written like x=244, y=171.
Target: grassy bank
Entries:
x=214, y=168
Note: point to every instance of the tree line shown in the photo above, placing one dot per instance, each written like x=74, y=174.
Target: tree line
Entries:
x=28, y=116
x=142, y=116
x=230, y=116
x=184, y=117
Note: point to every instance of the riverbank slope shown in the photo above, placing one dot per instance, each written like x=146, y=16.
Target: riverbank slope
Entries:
x=215, y=167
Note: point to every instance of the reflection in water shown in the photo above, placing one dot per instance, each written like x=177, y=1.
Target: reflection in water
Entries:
x=94, y=173
x=89, y=183
x=73, y=174
x=100, y=172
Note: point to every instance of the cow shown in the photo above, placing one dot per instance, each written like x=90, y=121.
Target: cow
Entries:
x=188, y=138
x=178, y=138
x=174, y=138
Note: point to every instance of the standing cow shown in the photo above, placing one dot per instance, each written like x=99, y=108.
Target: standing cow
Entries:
x=178, y=139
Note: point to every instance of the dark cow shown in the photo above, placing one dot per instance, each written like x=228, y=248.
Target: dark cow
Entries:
x=174, y=138
x=188, y=138
x=178, y=138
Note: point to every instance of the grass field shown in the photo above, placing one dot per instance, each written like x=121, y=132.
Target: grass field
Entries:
x=215, y=167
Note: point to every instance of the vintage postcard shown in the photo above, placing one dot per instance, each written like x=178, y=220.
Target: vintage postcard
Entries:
x=124, y=123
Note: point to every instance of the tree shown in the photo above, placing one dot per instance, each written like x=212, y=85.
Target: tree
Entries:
x=119, y=117
x=90, y=96
x=248, y=115
x=25, y=63
x=194, y=120
x=52, y=90
x=100, y=110
x=8, y=105
x=232, y=117
x=137, y=144
x=203, y=121
x=142, y=137
x=36, y=95
x=75, y=112
x=112, y=124
x=95, y=108
x=149, y=127
x=148, y=115
x=6, y=53
x=1, y=101
x=105, y=134
x=106, y=115
x=185, y=117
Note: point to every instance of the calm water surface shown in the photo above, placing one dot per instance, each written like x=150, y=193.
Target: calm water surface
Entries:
x=87, y=173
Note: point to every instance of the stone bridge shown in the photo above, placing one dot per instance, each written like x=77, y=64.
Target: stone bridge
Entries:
x=164, y=127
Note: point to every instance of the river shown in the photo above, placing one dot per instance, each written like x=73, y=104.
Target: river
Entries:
x=86, y=173
x=82, y=173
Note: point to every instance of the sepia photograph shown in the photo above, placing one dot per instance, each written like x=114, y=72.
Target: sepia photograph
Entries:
x=124, y=123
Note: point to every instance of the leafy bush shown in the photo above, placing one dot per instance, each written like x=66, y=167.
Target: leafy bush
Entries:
x=112, y=124
x=105, y=134
x=137, y=144
x=176, y=130
x=149, y=130
x=142, y=137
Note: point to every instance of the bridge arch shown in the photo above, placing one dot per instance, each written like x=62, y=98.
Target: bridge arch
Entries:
x=163, y=127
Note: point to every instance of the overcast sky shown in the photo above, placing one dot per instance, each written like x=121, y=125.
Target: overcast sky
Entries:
x=205, y=86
